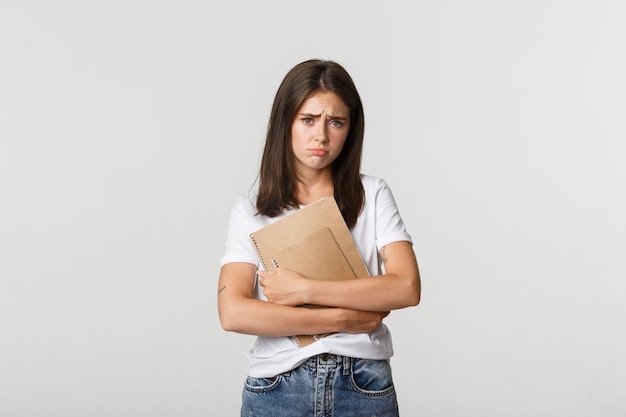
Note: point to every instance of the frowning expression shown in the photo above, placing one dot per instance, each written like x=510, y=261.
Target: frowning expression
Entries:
x=319, y=131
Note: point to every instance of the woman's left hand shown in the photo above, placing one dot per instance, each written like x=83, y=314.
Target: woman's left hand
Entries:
x=283, y=286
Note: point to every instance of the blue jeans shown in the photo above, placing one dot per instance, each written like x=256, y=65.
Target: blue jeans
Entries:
x=324, y=386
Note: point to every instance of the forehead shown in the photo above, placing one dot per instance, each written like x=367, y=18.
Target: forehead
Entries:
x=324, y=102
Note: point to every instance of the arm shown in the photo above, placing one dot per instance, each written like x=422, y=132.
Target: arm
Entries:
x=240, y=312
x=399, y=287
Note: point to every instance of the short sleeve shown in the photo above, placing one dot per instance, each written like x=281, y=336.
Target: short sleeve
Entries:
x=389, y=224
x=238, y=245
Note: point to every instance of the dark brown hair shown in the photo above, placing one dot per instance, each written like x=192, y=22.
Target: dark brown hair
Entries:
x=278, y=176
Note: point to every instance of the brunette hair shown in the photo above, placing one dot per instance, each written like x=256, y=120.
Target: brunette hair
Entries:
x=278, y=176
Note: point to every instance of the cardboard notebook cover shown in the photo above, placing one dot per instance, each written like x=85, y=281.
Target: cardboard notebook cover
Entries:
x=313, y=241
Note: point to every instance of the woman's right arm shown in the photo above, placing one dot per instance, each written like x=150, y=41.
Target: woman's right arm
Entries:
x=240, y=312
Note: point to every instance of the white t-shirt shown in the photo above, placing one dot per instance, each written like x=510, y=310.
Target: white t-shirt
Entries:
x=378, y=225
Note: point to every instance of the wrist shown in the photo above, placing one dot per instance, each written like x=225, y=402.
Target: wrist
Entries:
x=336, y=320
x=314, y=292
x=307, y=291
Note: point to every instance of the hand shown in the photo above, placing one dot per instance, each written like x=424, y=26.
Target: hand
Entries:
x=283, y=286
x=356, y=321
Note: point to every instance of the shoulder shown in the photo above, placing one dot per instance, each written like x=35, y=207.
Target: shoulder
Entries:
x=243, y=221
x=370, y=181
x=373, y=185
x=246, y=204
x=377, y=191
x=244, y=213
x=381, y=208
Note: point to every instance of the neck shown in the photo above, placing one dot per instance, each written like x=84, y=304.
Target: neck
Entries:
x=313, y=187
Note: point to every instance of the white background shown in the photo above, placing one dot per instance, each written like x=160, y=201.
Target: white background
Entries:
x=128, y=129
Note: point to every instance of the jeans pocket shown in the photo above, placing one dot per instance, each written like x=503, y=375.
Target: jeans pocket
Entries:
x=372, y=377
x=253, y=384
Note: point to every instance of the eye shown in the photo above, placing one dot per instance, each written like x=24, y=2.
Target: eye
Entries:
x=336, y=123
x=307, y=120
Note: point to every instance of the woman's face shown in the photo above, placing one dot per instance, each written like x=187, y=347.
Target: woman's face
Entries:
x=319, y=131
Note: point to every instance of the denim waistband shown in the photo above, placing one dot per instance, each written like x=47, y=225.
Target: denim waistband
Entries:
x=328, y=360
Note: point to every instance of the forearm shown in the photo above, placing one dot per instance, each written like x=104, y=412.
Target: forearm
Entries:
x=400, y=286
x=260, y=318
x=240, y=312
x=382, y=293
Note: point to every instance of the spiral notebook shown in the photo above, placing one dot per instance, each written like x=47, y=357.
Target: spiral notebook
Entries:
x=313, y=241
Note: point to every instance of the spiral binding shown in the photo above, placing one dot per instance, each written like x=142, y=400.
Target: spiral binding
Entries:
x=258, y=252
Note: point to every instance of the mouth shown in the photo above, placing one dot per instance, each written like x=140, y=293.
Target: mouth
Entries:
x=318, y=152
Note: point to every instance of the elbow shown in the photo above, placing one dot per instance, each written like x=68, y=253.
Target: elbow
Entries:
x=233, y=326
x=416, y=288
x=228, y=320
x=228, y=325
x=407, y=293
x=413, y=293
x=413, y=298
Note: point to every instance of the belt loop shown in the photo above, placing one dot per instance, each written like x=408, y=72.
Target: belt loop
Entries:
x=347, y=365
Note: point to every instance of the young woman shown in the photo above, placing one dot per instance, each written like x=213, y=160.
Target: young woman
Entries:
x=313, y=150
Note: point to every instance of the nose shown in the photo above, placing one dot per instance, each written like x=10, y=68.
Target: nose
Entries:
x=321, y=135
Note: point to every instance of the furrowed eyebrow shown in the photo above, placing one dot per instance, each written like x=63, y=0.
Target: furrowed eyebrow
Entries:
x=313, y=116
